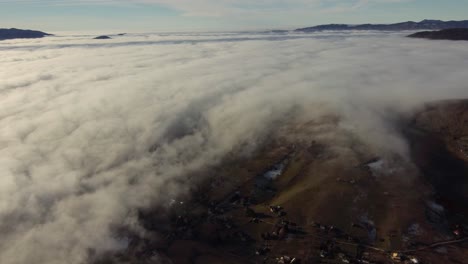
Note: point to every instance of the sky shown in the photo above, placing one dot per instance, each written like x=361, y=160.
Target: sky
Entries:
x=216, y=15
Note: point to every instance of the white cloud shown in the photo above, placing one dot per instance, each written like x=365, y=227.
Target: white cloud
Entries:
x=77, y=121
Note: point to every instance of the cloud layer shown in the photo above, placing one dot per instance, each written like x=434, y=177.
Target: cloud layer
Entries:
x=91, y=133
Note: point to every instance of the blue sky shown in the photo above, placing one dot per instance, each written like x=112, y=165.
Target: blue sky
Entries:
x=199, y=15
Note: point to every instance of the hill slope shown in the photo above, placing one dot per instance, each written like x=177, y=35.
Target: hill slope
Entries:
x=14, y=33
x=448, y=34
x=339, y=202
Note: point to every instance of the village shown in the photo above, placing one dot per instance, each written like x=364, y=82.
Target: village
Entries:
x=285, y=242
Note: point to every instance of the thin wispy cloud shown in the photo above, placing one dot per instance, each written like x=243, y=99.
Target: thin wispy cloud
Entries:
x=207, y=7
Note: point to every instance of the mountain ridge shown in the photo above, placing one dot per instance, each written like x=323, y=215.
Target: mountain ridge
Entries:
x=427, y=24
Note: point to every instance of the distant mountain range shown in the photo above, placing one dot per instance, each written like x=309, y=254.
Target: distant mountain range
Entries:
x=449, y=34
x=410, y=25
x=14, y=33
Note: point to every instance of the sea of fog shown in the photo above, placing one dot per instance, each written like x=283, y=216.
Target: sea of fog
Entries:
x=91, y=131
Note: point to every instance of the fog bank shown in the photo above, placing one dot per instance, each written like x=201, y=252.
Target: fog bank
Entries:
x=92, y=132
